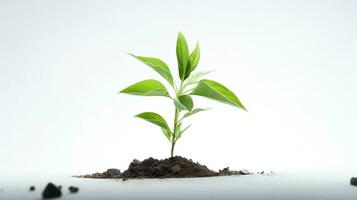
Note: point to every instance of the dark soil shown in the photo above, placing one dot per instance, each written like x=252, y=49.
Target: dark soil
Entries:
x=32, y=188
x=176, y=167
x=51, y=191
x=73, y=189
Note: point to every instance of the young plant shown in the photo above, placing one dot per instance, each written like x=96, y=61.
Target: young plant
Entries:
x=189, y=84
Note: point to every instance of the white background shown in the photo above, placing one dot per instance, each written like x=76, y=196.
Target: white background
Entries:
x=292, y=63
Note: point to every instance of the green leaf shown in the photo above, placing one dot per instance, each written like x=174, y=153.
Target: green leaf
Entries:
x=194, y=111
x=195, y=57
x=182, y=54
x=179, y=105
x=158, y=65
x=184, y=102
x=216, y=91
x=185, y=128
x=187, y=70
x=178, y=128
x=167, y=133
x=181, y=132
x=154, y=118
x=148, y=87
x=178, y=131
x=194, y=78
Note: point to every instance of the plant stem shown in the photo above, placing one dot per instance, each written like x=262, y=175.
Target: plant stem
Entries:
x=172, y=149
x=173, y=139
x=180, y=89
x=176, y=120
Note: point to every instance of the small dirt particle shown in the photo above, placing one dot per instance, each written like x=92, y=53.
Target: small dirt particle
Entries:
x=51, y=191
x=32, y=188
x=353, y=181
x=73, y=189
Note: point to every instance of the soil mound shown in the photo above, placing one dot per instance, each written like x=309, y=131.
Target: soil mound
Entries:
x=175, y=167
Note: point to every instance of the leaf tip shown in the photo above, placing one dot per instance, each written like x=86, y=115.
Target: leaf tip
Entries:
x=131, y=54
x=181, y=36
x=121, y=91
x=242, y=107
x=138, y=115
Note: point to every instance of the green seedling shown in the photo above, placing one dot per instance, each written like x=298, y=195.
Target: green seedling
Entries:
x=190, y=84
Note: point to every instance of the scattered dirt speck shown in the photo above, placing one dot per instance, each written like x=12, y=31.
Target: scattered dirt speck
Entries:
x=73, y=189
x=32, y=188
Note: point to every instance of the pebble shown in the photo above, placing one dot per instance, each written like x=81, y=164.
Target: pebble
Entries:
x=32, y=188
x=73, y=189
x=51, y=191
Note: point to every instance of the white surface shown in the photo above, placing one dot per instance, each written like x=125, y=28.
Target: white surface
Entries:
x=292, y=63
x=284, y=187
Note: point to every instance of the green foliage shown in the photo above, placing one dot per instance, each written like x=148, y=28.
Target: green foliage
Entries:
x=195, y=77
x=182, y=54
x=214, y=90
x=154, y=118
x=148, y=87
x=158, y=65
x=195, y=57
x=167, y=133
x=192, y=112
x=181, y=132
x=184, y=102
x=190, y=84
